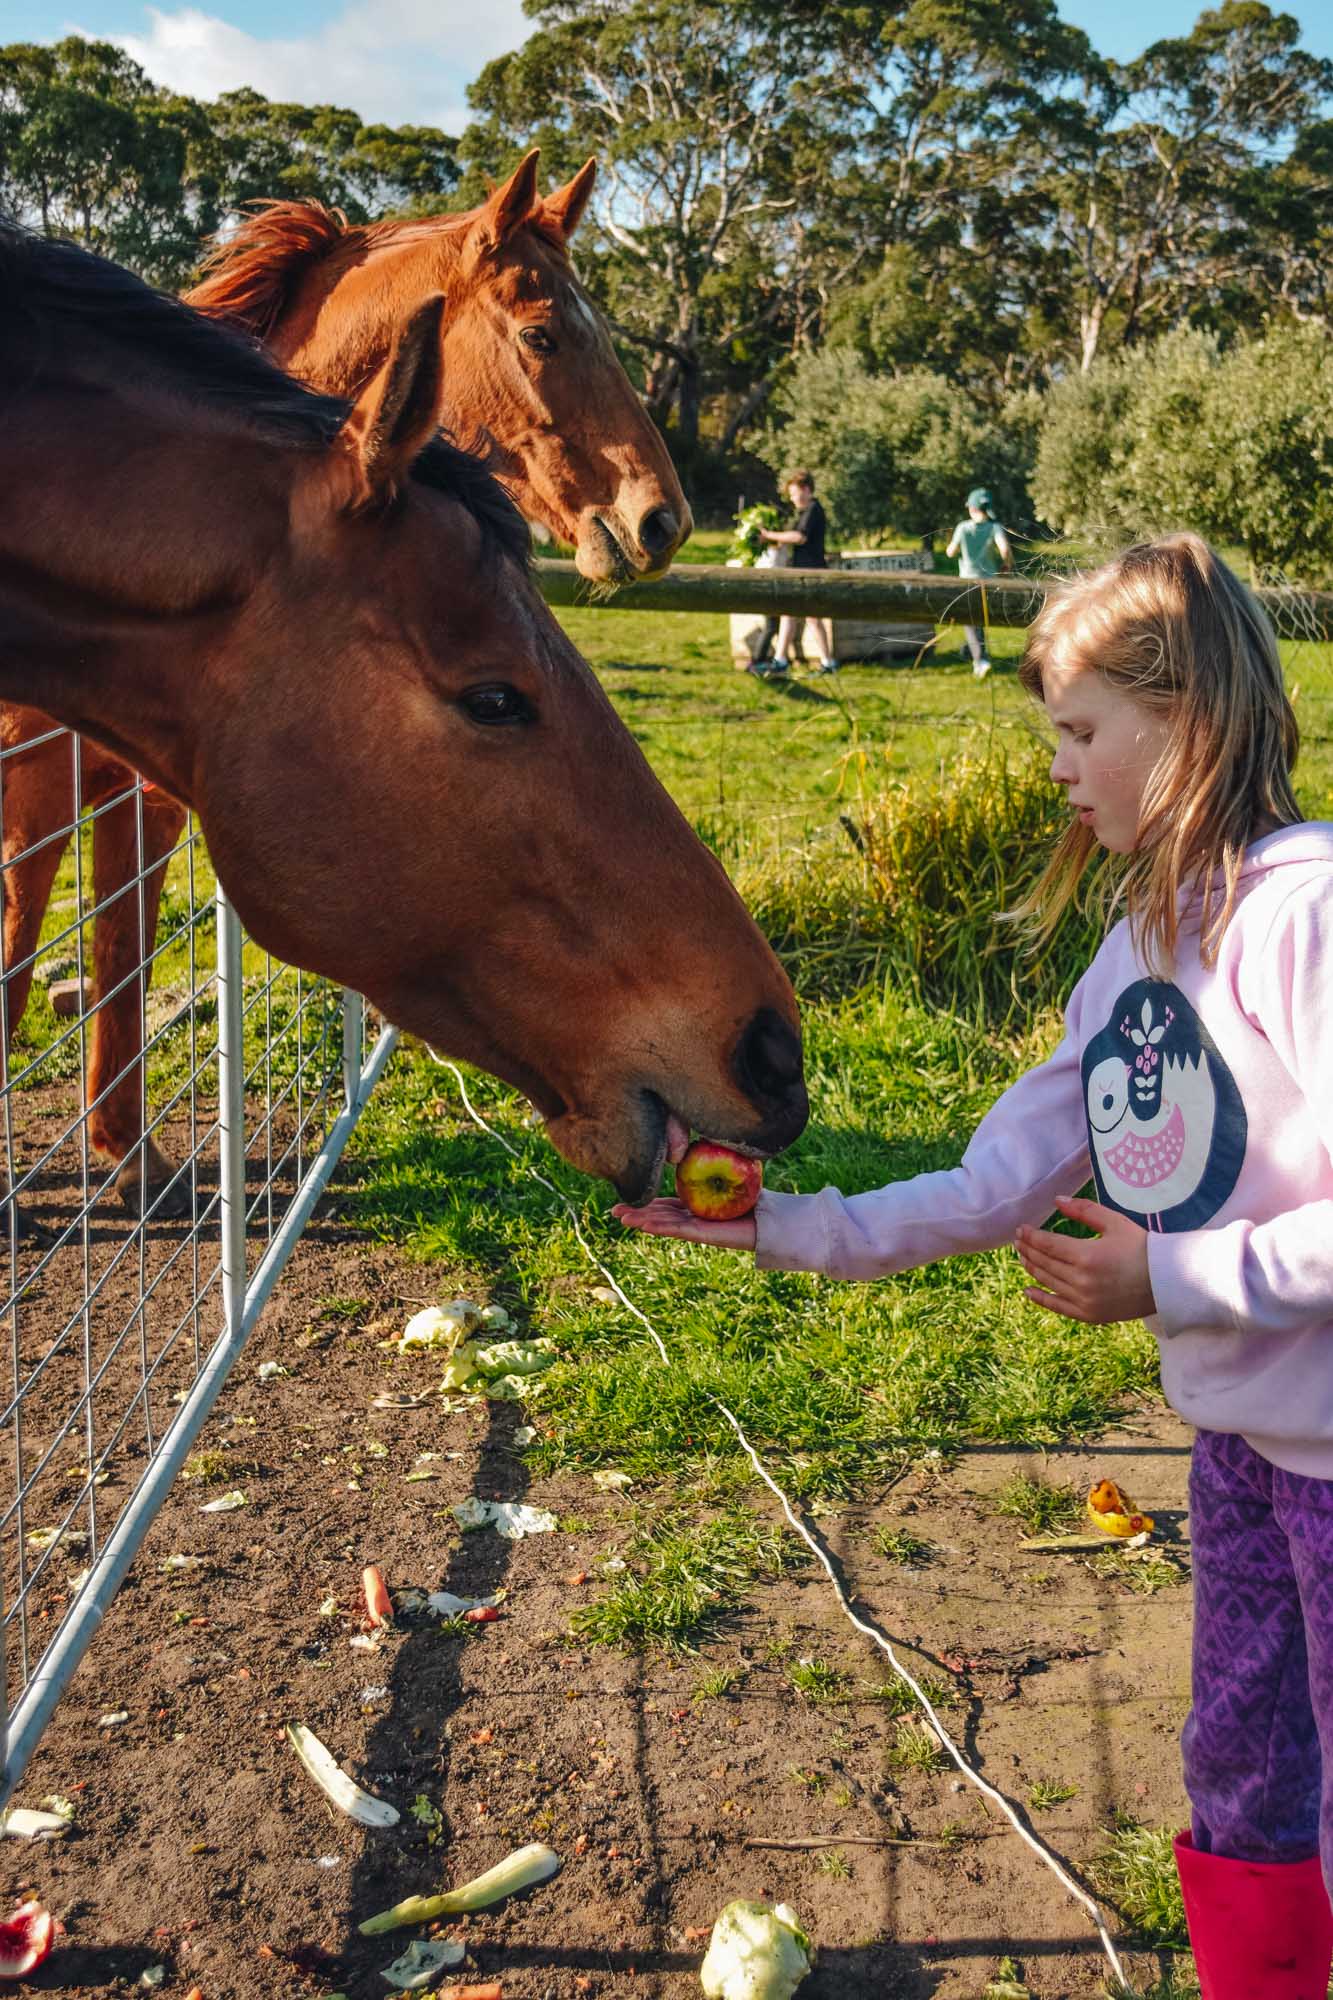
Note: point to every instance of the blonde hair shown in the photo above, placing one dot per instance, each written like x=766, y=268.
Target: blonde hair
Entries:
x=1177, y=630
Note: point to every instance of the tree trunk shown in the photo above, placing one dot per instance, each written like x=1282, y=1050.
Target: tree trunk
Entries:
x=689, y=395
x=1090, y=326
x=749, y=409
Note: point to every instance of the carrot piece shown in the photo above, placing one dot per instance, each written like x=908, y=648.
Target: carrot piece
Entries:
x=492, y=1990
x=378, y=1602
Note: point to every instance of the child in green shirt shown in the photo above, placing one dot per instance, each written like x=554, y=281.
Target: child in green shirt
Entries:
x=982, y=549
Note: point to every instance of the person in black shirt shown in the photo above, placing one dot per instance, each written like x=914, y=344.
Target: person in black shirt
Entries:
x=801, y=547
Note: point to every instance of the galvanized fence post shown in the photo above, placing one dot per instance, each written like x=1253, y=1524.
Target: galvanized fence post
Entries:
x=231, y=1109
x=354, y=1044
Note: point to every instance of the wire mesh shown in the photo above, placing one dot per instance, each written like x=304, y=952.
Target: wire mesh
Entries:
x=173, y=1102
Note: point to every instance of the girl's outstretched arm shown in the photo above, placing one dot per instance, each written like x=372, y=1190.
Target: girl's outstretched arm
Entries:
x=1031, y=1147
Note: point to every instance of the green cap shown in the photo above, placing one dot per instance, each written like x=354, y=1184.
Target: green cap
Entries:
x=980, y=497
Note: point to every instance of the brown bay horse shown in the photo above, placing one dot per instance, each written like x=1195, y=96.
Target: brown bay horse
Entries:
x=528, y=366
x=313, y=624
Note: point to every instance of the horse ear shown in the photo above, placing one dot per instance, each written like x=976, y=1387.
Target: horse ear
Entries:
x=565, y=207
x=508, y=207
x=398, y=412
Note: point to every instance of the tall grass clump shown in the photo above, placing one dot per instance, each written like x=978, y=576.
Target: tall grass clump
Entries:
x=1137, y=1872
x=912, y=886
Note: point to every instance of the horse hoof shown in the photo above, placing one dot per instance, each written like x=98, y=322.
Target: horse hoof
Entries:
x=25, y=1226
x=167, y=1199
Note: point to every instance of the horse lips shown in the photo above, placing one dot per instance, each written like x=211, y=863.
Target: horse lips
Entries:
x=716, y=1184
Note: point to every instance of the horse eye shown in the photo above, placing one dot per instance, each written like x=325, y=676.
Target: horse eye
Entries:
x=497, y=703
x=538, y=339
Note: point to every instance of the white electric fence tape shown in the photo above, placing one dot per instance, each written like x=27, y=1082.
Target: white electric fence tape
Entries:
x=816, y=1547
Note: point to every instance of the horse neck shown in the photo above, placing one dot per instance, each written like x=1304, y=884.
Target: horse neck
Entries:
x=340, y=324
x=111, y=602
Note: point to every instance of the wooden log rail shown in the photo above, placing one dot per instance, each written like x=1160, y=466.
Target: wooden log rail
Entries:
x=897, y=596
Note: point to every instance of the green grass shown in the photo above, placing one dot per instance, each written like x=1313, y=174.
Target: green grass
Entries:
x=839, y=1383
x=834, y=1865
x=896, y=1698
x=1178, y=1982
x=720, y=1681
x=1043, y=1797
x=818, y=1681
x=1144, y=1571
x=1039, y=1507
x=898, y=1545
x=683, y=1576
x=764, y=760
x=1137, y=1872
x=916, y=1748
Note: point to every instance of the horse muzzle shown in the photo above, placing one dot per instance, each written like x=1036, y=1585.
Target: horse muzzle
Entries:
x=610, y=551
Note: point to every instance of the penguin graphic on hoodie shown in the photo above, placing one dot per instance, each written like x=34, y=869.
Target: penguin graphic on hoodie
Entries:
x=1166, y=1124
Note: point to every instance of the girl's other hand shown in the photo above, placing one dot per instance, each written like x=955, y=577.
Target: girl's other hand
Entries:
x=1099, y=1279
x=667, y=1217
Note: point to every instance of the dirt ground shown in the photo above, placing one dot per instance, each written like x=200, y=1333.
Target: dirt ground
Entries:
x=202, y=1847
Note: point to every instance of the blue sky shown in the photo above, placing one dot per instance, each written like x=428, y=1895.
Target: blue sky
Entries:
x=409, y=61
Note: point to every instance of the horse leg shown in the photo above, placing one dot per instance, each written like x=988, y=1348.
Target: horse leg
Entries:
x=146, y=1179
x=38, y=814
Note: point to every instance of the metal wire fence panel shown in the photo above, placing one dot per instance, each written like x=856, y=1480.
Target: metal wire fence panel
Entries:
x=172, y=1104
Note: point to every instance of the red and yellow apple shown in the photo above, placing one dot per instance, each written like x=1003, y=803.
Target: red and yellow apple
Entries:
x=717, y=1184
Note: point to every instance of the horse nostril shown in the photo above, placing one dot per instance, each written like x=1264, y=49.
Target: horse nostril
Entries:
x=769, y=1057
x=658, y=531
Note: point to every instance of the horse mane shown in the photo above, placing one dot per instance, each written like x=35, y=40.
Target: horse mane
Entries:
x=49, y=284
x=249, y=275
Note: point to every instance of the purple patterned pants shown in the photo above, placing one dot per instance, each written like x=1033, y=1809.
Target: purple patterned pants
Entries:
x=1258, y=1744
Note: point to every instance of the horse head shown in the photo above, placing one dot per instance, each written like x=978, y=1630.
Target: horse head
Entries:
x=530, y=371
x=528, y=351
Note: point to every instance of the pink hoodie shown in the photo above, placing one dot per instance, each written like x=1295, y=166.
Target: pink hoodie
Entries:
x=1202, y=1106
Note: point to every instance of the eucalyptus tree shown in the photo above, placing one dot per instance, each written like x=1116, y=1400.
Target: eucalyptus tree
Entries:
x=1147, y=181
x=90, y=148
x=323, y=152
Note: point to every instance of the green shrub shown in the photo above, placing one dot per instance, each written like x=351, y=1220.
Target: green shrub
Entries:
x=1238, y=445
x=1266, y=450
x=1078, y=483
x=1168, y=472
x=915, y=892
x=898, y=451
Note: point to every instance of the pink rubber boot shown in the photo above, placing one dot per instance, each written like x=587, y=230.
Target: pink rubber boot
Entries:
x=1260, y=1930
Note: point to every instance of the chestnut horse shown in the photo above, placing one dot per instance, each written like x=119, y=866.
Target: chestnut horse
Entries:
x=313, y=623
x=527, y=363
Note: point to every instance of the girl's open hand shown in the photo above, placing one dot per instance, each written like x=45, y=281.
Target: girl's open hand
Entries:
x=666, y=1217
x=1099, y=1279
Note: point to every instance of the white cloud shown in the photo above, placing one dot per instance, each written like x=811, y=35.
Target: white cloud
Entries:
x=399, y=62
